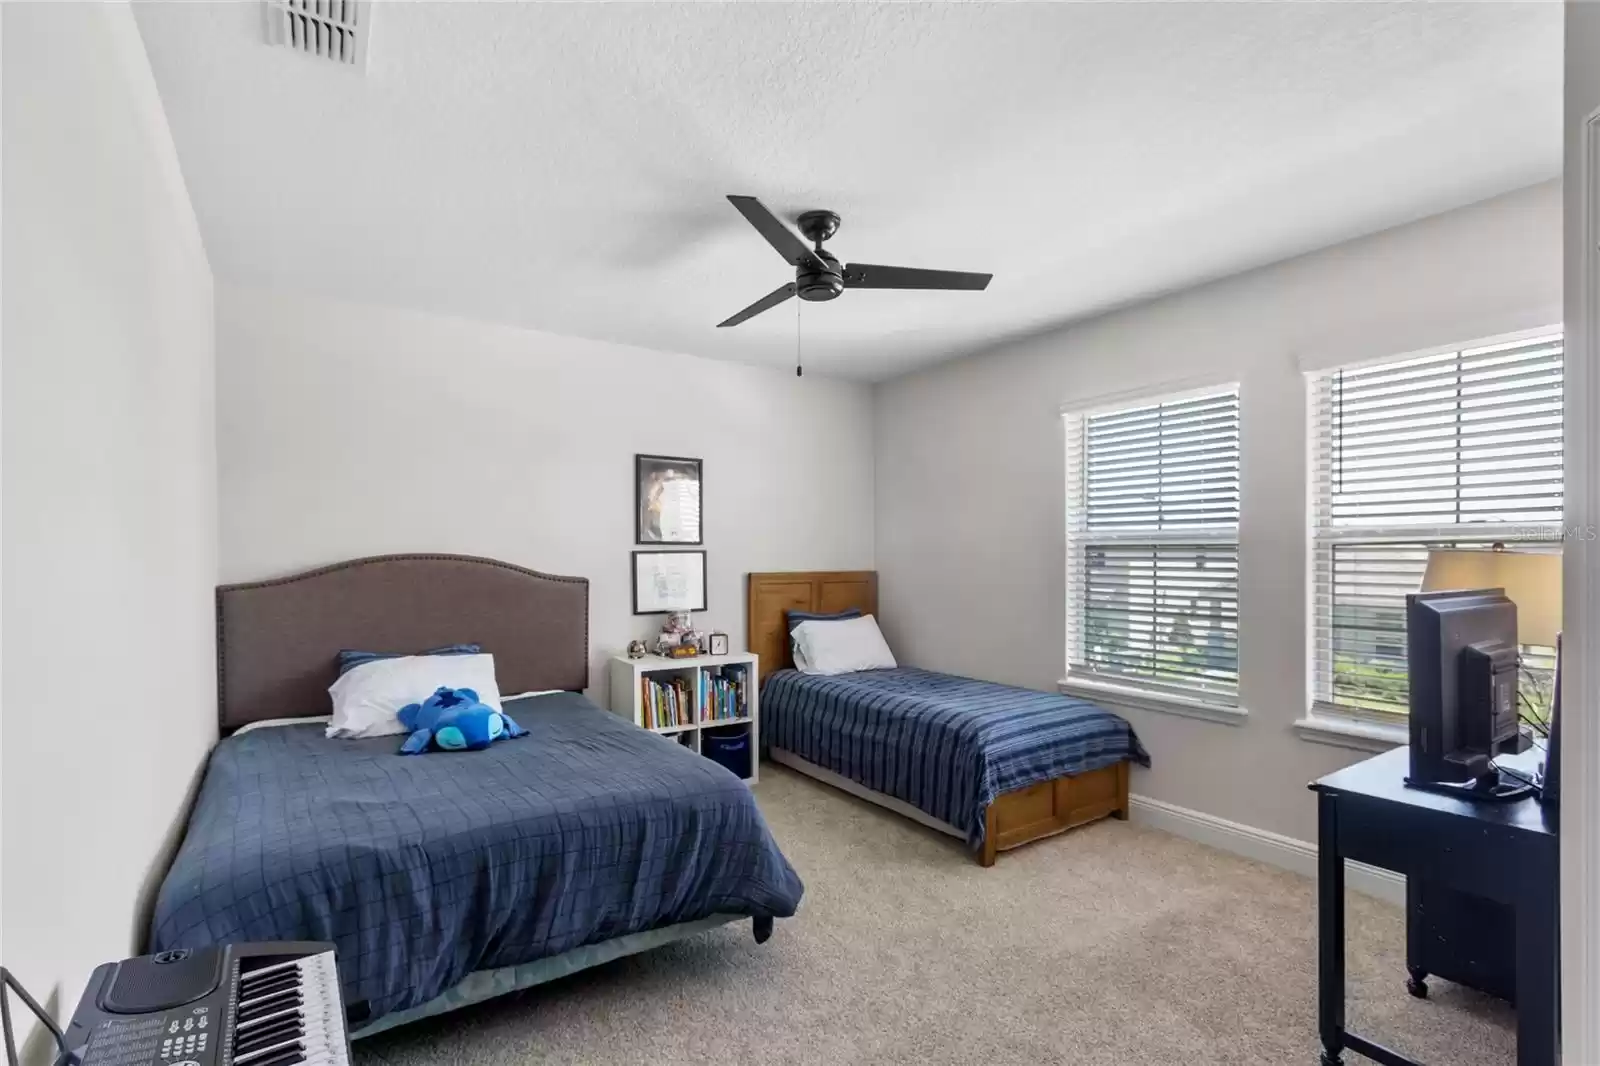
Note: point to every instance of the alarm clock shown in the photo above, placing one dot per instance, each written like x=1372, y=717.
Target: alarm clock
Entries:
x=719, y=644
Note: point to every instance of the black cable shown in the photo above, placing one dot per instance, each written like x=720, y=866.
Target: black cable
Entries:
x=1519, y=776
x=8, y=981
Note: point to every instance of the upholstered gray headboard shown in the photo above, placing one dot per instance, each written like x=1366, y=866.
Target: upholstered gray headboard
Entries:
x=278, y=641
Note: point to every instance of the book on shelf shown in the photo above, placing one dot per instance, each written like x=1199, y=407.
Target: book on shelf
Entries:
x=665, y=705
x=724, y=694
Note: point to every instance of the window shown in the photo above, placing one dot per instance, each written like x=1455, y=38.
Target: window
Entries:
x=1153, y=545
x=1459, y=448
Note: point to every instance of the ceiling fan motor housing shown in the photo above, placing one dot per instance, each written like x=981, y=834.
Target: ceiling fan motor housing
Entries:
x=820, y=284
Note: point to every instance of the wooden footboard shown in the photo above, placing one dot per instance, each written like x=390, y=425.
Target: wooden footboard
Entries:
x=1051, y=807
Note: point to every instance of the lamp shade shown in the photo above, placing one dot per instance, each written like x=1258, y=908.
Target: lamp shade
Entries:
x=1532, y=581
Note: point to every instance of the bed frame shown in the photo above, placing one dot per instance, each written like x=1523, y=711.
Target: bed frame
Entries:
x=278, y=642
x=1015, y=818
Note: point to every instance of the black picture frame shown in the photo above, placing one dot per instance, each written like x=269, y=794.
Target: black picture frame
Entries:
x=649, y=609
x=649, y=470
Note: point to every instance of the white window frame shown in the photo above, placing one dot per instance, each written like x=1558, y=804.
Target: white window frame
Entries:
x=1215, y=705
x=1367, y=728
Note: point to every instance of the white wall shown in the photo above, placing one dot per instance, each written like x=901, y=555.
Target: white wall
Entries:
x=109, y=470
x=348, y=430
x=970, y=501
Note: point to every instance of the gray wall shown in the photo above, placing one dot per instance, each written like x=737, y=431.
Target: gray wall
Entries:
x=970, y=475
x=110, y=494
x=347, y=430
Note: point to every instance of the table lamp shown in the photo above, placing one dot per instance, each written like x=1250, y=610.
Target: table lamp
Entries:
x=1531, y=580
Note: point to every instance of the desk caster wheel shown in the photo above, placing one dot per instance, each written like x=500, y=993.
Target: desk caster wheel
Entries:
x=1417, y=984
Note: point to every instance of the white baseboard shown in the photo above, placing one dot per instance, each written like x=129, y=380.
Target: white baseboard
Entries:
x=1262, y=846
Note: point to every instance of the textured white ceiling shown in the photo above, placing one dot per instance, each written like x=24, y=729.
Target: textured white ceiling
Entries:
x=564, y=166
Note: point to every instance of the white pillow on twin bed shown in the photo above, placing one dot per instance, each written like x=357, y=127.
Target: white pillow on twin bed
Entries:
x=841, y=647
x=367, y=698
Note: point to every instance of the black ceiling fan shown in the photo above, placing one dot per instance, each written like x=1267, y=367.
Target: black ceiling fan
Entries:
x=818, y=275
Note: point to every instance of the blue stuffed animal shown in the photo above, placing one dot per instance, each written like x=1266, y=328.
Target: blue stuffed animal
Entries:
x=454, y=719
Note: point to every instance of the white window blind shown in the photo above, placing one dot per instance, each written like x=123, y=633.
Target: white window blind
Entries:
x=1459, y=448
x=1153, y=545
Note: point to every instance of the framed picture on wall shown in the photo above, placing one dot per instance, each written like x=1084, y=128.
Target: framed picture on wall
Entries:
x=668, y=581
x=666, y=500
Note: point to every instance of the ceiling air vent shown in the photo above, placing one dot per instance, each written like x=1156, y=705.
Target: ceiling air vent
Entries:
x=334, y=30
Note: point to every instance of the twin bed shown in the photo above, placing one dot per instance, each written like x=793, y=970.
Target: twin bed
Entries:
x=449, y=878
x=994, y=765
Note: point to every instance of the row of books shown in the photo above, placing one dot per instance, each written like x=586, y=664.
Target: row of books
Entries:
x=672, y=702
x=723, y=697
x=667, y=705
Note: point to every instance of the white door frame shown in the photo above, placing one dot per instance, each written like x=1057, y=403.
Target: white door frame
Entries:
x=1580, y=698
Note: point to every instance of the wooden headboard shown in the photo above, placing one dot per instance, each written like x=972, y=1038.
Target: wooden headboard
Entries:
x=772, y=595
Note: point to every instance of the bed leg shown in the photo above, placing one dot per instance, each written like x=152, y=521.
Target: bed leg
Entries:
x=761, y=926
x=1121, y=813
x=990, y=838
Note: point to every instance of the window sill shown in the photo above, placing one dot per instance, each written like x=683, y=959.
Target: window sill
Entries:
x=1348, y=731
x=1139, y=699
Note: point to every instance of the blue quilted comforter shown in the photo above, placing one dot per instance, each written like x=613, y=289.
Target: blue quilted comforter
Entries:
x=421, y=870
x=946, y=745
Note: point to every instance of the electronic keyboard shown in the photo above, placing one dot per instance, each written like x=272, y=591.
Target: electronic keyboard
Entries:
x=230, y=1005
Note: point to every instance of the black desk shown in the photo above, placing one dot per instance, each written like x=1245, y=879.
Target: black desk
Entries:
x=1503, y=852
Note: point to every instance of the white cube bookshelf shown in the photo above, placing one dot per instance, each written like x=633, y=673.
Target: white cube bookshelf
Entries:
x=627, y=677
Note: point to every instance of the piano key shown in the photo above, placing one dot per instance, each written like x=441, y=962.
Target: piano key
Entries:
x=286, y=1058
x=288, y=973
x=260, y=1055
x=290, y=998
x=246, y=979
x=280, y=1040
x=287, y=978
x=318, y=1043
x=267, y=988
x=296, y=1016
x=275, y=1033
x=287, y=997
x=262, y=1019
x=341, y=1039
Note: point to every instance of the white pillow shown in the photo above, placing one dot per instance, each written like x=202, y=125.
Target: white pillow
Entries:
x=842, y=646
x=530, y=694
x=367, y=699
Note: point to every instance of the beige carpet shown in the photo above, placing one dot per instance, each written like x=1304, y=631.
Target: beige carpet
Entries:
x=1111, y=944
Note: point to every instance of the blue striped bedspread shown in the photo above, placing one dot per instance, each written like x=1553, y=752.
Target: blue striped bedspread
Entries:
x=946, y=745
x=424, y=870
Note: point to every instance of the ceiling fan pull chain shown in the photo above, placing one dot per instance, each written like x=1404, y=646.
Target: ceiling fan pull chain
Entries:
x=797, y=370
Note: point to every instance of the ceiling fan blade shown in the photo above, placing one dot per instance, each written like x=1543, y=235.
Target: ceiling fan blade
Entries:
x=766, y=303
x=873, y=276
x=781, y=237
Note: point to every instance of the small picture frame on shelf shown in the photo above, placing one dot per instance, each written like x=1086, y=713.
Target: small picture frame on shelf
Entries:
x=666, y=500
x=719, y=644
x=664, y=582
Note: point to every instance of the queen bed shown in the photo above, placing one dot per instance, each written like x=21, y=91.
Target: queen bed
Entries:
x=450, y=877
x=994, y=765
